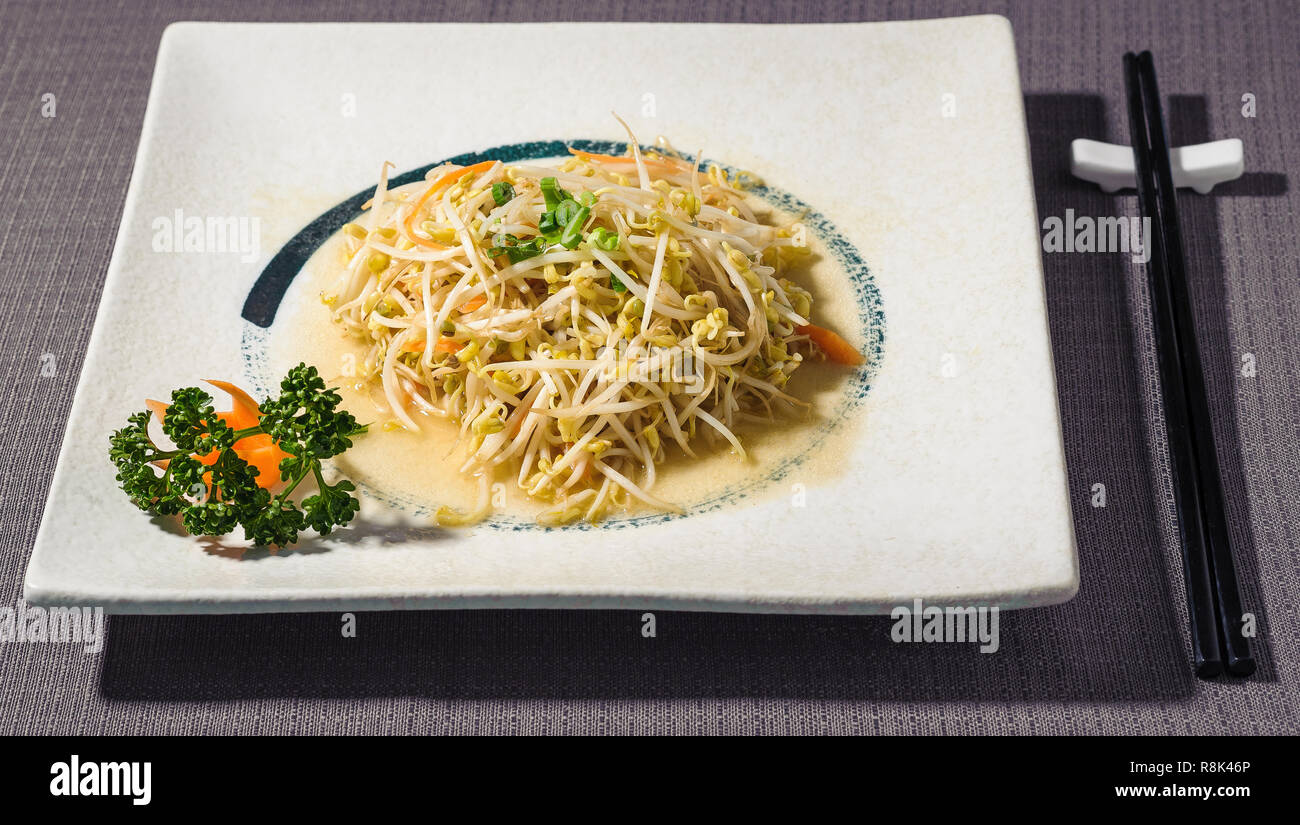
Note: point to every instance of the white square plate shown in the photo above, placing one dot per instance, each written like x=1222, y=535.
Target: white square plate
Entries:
x=940, y=472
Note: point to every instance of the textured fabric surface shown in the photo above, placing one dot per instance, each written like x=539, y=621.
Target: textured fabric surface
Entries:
x=1114, y=660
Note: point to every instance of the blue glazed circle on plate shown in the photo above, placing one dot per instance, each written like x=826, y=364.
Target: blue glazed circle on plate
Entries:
x=264, y=299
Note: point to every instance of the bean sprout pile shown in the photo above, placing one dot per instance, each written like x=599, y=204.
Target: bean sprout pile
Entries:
x=577, y=323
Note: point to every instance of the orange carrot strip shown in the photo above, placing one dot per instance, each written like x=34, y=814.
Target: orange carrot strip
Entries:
x=258, y=450
x=158, y=408
x=445, y=179
x=444, y=344
x=266, y=460
x=473, y=303
x=246, y=412
x=663, y=164
x=835, y=347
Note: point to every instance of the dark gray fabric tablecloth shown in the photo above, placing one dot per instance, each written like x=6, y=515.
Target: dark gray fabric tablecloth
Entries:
x=1114, y=660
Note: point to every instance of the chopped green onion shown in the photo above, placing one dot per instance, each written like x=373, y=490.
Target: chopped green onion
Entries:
x=515, y=249
x=503, y=193
x=531, y=249
x=565, y=212
x=553, y=193
x=615, y=284
x=587, y=199
x=602, y=238
x=572, y=233
x=548, y=226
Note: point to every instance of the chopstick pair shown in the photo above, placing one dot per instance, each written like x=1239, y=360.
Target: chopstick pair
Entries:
x=1214, y=602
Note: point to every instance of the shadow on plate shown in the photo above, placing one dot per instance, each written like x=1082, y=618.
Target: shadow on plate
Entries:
x=1121, y=638
x=371, y=533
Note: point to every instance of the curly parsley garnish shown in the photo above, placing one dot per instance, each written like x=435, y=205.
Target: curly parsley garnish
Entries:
x=214, y=498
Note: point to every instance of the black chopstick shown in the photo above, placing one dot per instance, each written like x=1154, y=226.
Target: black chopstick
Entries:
x=1222, y=570
x=1191, y=537
x=1214, y=601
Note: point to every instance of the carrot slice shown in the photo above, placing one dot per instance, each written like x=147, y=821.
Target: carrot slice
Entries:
x=246, y=412
x=835, y=347
x=266, y=459
x=444, y=344
x=258, y=450
x=662, y=164
x=443, y=180
x=158, y=408
x=473, y=303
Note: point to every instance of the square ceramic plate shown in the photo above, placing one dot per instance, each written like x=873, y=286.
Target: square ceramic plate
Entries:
x=935, y=472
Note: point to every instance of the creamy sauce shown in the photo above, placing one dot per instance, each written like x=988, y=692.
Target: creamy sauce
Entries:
x=422, y=470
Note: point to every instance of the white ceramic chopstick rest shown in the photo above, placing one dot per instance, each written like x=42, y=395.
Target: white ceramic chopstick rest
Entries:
x=1200, y=166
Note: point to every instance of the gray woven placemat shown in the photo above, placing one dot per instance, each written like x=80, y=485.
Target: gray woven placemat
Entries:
x=1113, y=660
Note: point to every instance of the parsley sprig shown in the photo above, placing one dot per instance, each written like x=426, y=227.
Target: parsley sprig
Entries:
x=304, y=422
